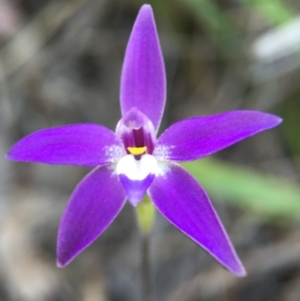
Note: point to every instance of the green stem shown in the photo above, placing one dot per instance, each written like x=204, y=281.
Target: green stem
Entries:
x=145, y=268
x=145, y=215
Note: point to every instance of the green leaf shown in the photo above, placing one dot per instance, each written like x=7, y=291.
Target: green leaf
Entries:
x=275, y=11
x=266, y=195
x=210, y=13
x=290, y=111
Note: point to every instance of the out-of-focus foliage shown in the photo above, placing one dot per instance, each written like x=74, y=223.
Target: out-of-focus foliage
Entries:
x=274, y=11
x=213, y=15
x=266, y=195
x=290, y=111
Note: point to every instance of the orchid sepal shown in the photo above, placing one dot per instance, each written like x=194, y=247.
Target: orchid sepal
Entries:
x=78, y=144
x=94, y=204
x=184, y=203
x=197, y=137
x=143, y=78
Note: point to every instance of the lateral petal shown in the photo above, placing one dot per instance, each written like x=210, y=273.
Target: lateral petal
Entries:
x=184, y=203
x=136, y=175
x=93, y=206
x=78, y=144
x=193, y=138
x=143, y=80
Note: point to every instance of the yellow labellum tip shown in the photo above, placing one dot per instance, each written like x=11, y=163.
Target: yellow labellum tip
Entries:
x=137, y=150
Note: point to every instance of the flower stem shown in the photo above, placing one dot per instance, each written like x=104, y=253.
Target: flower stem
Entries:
x=145, y=268
x=145, y=217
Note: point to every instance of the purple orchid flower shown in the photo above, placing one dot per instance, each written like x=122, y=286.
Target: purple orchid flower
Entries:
x=132, y=161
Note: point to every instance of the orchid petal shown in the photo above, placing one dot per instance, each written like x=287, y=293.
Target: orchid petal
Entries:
x=79, y=144
x=184, y=203
x=135, y=189
x=136, y=175
x=94, y=204
x=197, y=137
x=143, y=80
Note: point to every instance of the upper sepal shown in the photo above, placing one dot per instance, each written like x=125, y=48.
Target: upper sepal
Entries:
x=143, y=79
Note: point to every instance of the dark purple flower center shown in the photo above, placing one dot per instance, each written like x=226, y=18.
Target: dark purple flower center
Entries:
x=137, y=133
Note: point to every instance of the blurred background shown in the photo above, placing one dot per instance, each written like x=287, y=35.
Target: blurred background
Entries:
x=60, y=63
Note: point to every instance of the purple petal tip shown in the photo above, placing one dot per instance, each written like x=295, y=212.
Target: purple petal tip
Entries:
x=146, y=6
x=238, y=268
x=270, y=119
x=241, y=273
x=60, y=264
x=146, y=9
x=278, y=120
x=7, y=156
